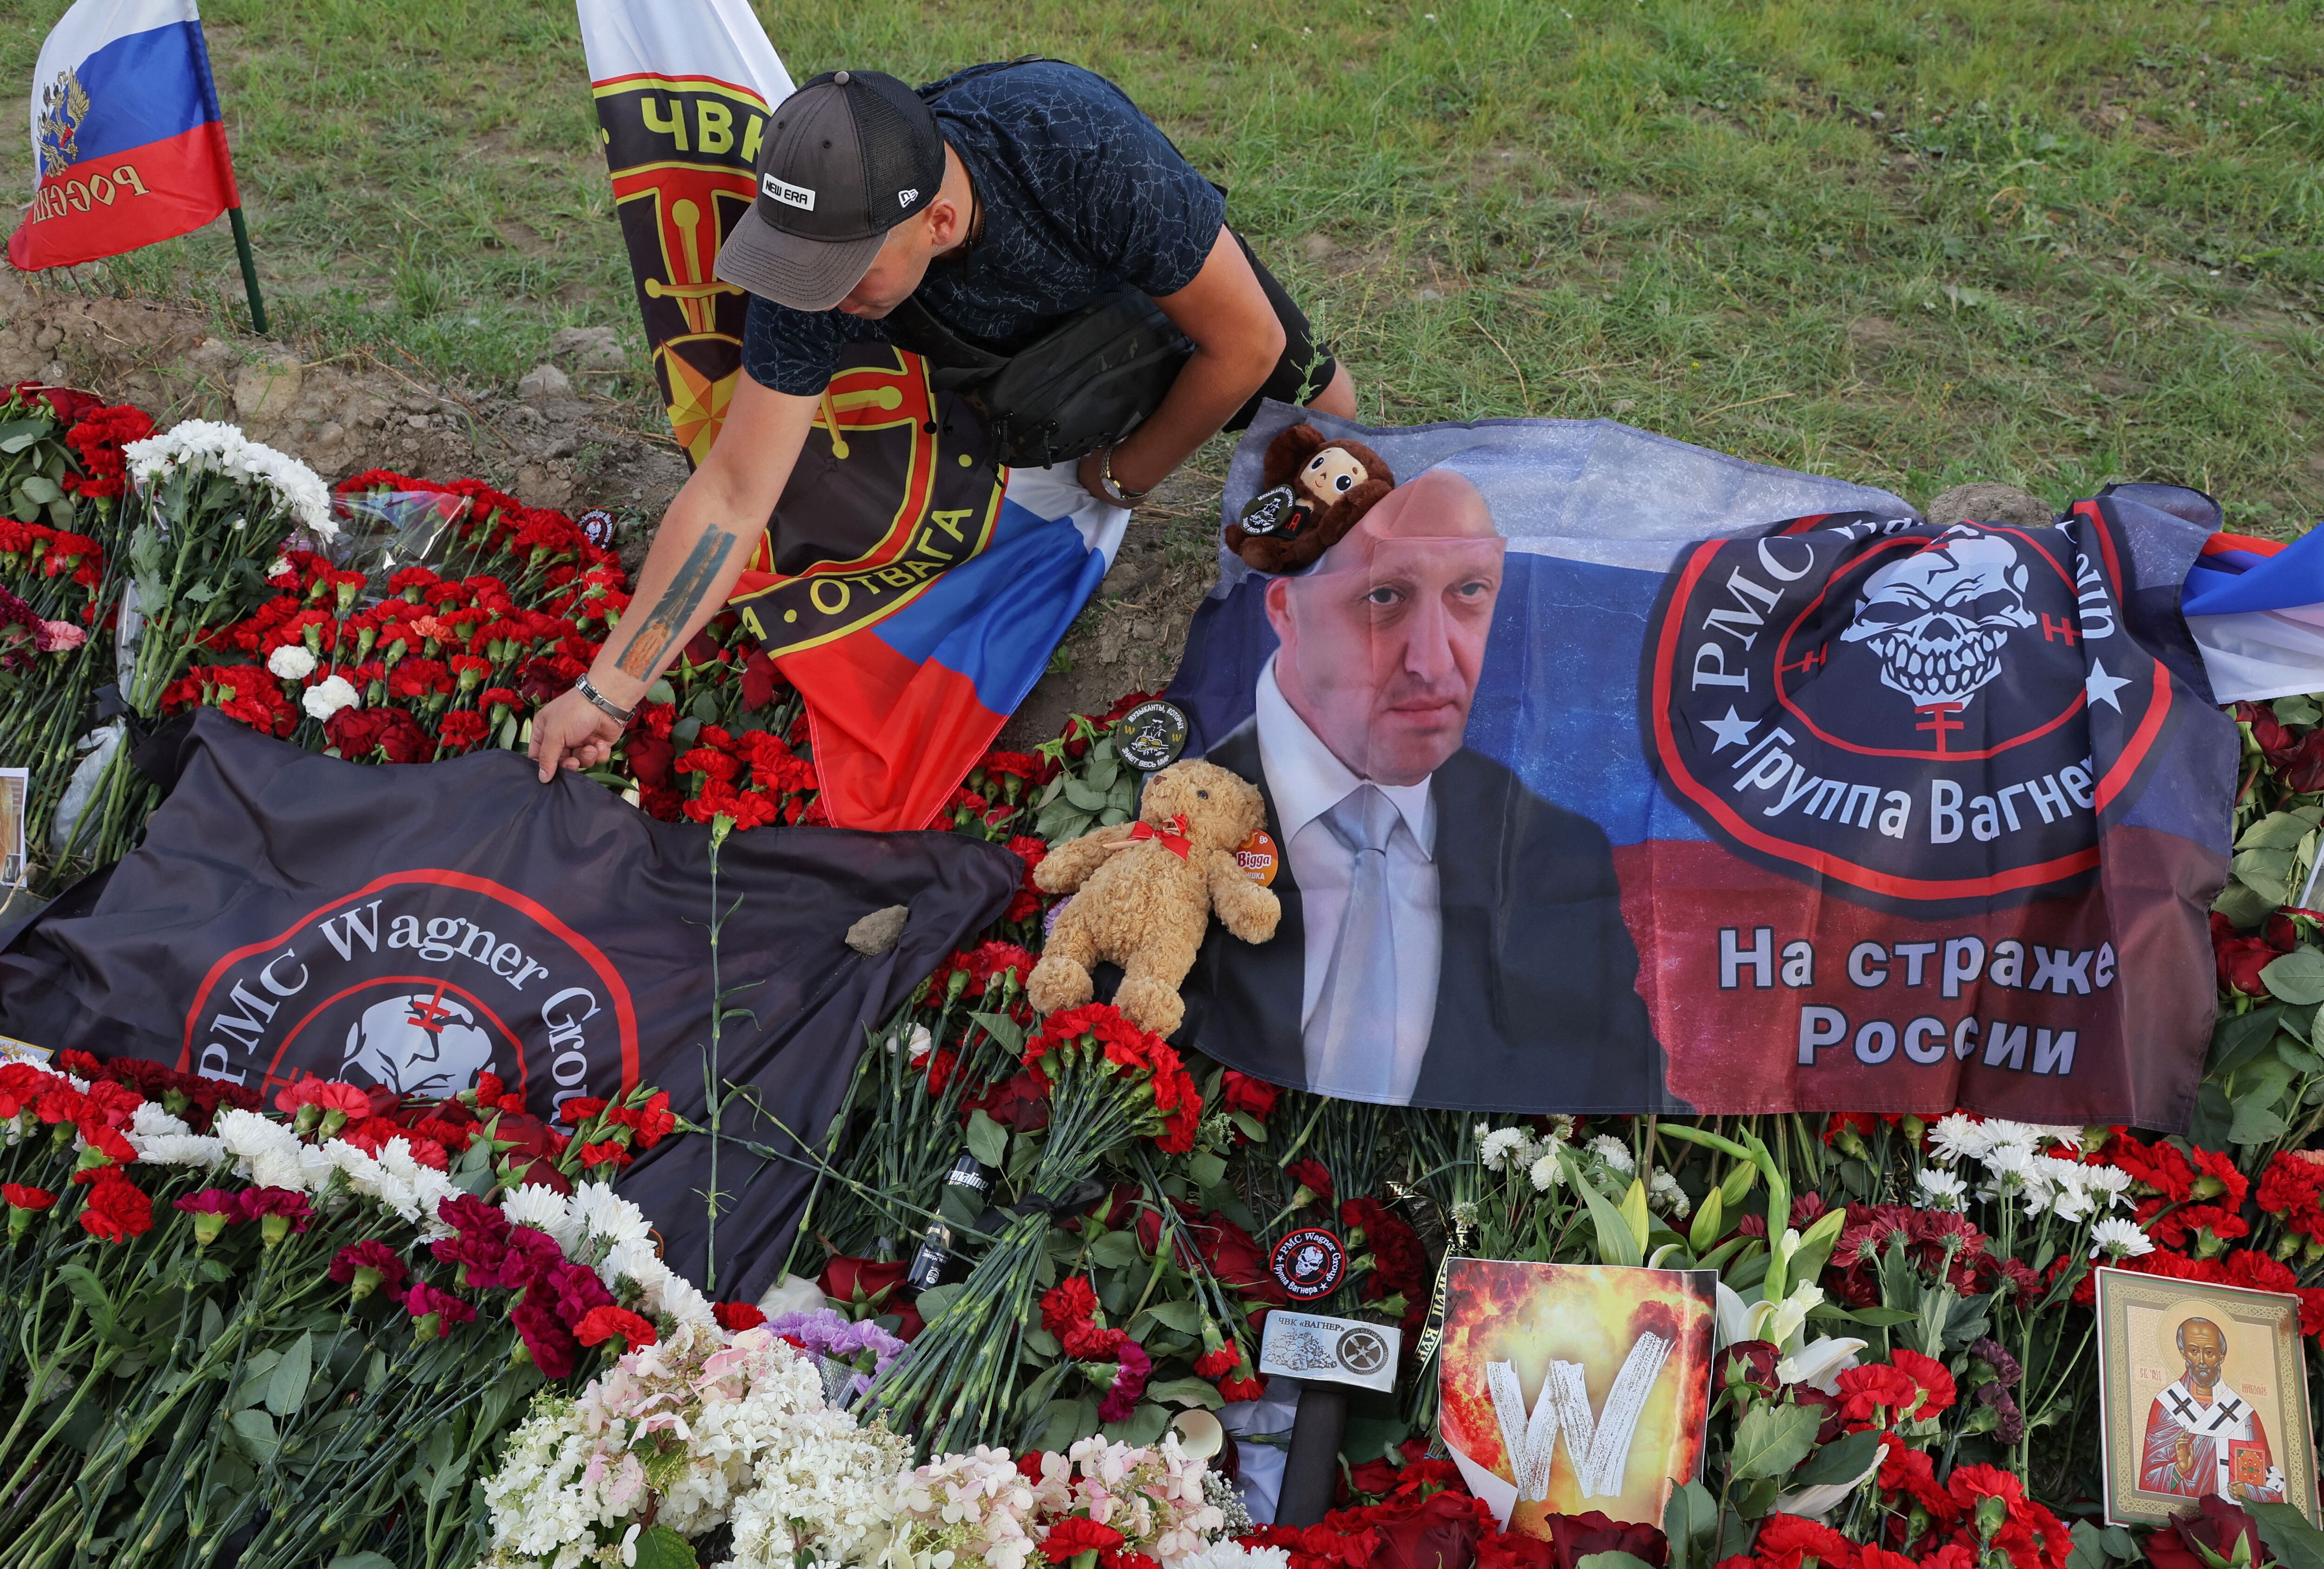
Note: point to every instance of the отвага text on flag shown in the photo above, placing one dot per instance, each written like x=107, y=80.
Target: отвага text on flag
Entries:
x=127, y=135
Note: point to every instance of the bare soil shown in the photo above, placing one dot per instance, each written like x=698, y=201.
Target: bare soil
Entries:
x=573, y=448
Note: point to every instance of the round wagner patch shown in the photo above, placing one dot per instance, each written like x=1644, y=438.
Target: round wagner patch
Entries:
x=1309, y=1263
x=1151, y=735
x=1911, y=715
x=1268, y=511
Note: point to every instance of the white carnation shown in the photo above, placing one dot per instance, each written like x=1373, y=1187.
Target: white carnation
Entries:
x=162, y=1140
x=1665, y=1196
x=1229, y=1554
x=1614, y=1153
x=329, y=695
x=208, y=447
x=292, y=662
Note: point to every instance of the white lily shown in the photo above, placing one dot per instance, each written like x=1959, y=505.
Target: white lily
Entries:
x=1815, y=1502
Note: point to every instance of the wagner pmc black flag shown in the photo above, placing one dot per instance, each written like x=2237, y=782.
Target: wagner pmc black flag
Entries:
x=414, y=928
x=682, y=95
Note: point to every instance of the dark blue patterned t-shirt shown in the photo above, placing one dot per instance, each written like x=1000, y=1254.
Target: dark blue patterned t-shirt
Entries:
x=1079, y=195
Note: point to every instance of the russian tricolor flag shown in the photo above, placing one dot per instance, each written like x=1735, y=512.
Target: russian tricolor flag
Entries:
x=2256, y=608
x=125, y=134
x=902, y=709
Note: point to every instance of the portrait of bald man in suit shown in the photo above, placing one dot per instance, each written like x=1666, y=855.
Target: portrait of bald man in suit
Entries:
x=1448, y=938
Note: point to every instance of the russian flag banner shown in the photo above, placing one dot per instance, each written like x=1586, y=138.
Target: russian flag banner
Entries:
x=913, y=590
x=1718, y=789
x=2256, y=608
x=127, y=135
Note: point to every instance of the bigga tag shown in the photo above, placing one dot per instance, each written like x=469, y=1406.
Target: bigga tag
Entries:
x=1258, y=858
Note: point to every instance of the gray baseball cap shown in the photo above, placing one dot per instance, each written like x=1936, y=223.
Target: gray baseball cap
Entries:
x=848, y=158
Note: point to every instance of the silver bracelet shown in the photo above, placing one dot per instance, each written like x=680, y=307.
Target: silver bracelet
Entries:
x=605, y=705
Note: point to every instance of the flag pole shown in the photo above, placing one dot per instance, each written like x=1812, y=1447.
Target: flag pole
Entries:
x=249, y=271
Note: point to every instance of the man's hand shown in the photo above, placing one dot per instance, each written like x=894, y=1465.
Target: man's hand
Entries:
x=572, y=732
x=2184, y=1460
x=1091, y=474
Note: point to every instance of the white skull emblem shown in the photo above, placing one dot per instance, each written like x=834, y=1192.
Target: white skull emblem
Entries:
x=1309, y=1263
x=420, y=1045
x=1938, y=619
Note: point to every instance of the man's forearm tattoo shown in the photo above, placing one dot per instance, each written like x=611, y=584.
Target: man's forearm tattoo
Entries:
x=678, y=601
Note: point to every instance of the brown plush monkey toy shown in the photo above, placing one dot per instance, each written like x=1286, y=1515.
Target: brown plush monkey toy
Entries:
x=1313, y=492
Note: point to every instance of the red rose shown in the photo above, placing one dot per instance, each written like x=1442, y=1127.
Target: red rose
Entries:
x=2241, y=959
x=862, y=1281
x=1576, y=1537
x=1440, y=1531
x=2218, y=1526
x=1241, y=1093
x=1751, y=1362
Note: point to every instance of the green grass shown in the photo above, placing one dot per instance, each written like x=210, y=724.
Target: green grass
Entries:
x=1912, y=244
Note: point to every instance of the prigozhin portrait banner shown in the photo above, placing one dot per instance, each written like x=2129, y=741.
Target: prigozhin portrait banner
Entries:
x=1695, y=784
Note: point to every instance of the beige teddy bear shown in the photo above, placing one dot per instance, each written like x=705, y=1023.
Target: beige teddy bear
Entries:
x=1146, y=892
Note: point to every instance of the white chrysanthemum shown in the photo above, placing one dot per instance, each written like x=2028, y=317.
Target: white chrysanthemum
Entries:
x=329, y=695
x=1940, y=1190
x=1614, y=1153
x=598, y=1212
x=292, y=662
x=1547, y=1171
x=2118, y=1239
x=1957, y=1136
x=1497, y=1149
x=1664, y=1197
x=2111, y=1182
x=633, y=1259
x=207, y=446
x=544, y=1209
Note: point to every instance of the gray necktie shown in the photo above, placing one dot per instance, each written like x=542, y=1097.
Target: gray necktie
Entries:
x=1350, y=1041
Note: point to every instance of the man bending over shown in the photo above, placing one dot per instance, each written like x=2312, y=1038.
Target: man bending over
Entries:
x=997, y=203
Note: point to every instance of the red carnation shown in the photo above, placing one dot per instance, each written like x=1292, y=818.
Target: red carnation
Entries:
x=1070, y=1302
x=115, y=1210
x=1075, y=1535
x=369, y=1266
x=20, y=1196
x=599, y=1325
x=736, y=1316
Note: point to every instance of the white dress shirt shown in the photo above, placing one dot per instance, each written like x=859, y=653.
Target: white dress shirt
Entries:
x=1305, y=782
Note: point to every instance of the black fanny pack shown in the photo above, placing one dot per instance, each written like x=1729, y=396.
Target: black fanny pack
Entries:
x=1082, y=386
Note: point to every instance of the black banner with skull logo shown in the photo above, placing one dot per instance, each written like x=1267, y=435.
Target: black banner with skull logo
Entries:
x=414, y=928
